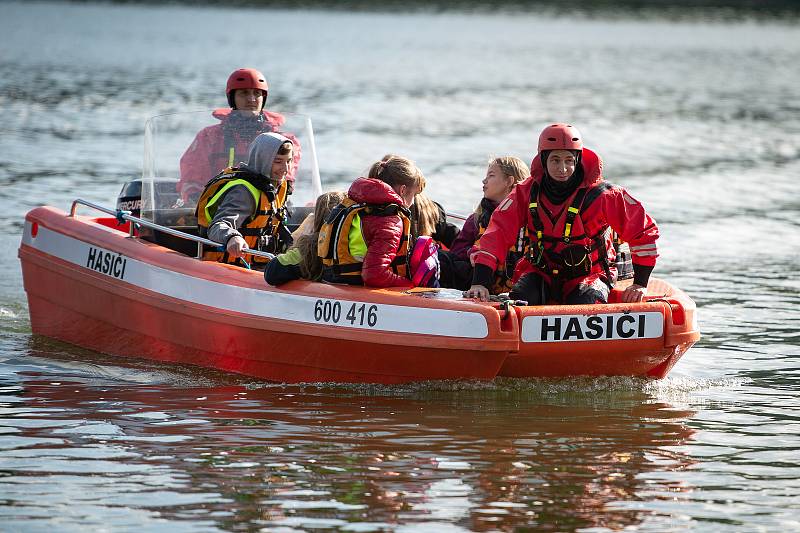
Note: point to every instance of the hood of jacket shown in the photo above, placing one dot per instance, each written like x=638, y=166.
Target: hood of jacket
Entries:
x=262, y=153
x=373, y=191
x=592, y=168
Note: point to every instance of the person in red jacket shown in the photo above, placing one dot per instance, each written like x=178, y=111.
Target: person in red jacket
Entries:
x=220, y=146
x=569, y=211
x=371, y=244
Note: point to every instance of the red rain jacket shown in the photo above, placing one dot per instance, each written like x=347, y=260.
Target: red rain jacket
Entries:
x=382, y=234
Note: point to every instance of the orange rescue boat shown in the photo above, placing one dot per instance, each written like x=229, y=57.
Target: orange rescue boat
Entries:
x=131, y=285
x=92, y=284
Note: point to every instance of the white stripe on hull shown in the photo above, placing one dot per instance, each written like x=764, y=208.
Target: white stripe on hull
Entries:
x=259, y=303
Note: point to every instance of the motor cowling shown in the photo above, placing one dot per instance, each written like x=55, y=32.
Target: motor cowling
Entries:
x=130, y=197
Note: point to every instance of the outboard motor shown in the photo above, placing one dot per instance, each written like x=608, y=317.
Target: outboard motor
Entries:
x=163, y=209
x=164, y=194
x=130, y=197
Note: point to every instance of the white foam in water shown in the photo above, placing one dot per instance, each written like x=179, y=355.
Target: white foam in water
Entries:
x=118, y=374
x=685, y=384
x=7, y=313
x=670, y=387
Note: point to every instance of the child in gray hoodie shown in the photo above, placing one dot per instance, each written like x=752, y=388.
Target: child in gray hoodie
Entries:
x=244, y=206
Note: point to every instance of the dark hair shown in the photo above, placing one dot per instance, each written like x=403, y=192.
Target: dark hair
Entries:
x=285, y=148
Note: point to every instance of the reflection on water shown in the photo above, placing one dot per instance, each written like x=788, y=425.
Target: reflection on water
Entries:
x=698, y=115
x=307, y=456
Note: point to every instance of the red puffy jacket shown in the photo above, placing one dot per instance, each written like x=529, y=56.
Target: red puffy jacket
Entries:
x=382, y=234
x=208, y=154
x=614, y=208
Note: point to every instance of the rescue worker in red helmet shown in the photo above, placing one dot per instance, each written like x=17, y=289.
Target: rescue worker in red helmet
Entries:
x=569, y=212
x=219, y=146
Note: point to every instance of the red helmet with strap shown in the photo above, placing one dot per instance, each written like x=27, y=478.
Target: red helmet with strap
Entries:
x=560, y=137
x=245, y=78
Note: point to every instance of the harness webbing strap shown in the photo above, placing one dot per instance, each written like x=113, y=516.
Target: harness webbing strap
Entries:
x=572, y=212
x=583, y=198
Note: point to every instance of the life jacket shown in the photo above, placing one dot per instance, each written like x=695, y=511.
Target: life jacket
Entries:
x=341, y=244
x=264, y=230
x=563, y=254
x=505, y=271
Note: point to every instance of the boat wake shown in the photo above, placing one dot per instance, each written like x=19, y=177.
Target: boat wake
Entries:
x=667, y=389
x=110, y=375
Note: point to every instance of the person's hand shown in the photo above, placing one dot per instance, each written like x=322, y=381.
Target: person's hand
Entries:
x=634, y=293
x=479, y=292
x=305, y=228
x=235, y=246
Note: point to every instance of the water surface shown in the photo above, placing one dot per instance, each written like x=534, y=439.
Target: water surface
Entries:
x=700, y=120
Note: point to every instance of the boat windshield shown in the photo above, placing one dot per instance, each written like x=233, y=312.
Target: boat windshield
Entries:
x=183, y=151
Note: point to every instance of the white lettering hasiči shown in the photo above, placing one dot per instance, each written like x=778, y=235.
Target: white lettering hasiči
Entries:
x=106, y=263
x=612, y=326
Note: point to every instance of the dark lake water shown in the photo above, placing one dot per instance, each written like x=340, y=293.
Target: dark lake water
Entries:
x=699, y=119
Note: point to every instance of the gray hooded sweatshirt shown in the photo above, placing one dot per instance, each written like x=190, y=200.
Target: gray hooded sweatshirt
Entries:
x=237, y=204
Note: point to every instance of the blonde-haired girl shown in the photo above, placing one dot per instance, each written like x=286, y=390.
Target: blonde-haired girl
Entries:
x=301, y=261
x=502, y=175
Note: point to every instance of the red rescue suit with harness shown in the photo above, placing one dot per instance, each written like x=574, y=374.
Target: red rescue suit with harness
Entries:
x=504, y=275
x=570, y=243
x=222, y=145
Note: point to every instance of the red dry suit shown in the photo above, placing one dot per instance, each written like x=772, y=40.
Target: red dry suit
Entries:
x=613, y=208
x=210, y=152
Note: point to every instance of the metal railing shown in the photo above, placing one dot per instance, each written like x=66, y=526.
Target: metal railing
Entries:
x=457, y=216
x=121, y=216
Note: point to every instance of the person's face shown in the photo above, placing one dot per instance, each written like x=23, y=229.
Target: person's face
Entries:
x=280, y=166
x=249, y=100
x=407, y=193
x=560, y=164
x=496, y=185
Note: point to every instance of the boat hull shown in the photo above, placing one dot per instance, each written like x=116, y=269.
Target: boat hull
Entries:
x=169, y=307
x=92, y=285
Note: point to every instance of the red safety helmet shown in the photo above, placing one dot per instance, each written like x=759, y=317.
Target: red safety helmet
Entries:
x=246, y=78
x=560, y=137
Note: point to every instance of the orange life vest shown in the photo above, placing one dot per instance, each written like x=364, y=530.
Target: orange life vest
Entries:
x=341, y=244
x=264, y=230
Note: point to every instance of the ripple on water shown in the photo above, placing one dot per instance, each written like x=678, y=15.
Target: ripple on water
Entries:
x=88, y=442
